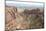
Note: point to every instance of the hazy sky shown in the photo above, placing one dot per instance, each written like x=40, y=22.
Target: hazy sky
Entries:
x=24, y=4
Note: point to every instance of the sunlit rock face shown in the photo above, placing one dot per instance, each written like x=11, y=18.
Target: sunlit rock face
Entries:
x=19, y=18
x=20, y=10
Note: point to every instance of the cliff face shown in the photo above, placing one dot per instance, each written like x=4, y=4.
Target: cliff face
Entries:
x=36, y=11
x=10, y=17
x=25, y=19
